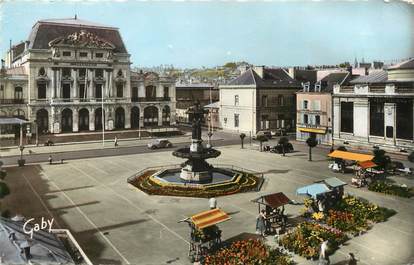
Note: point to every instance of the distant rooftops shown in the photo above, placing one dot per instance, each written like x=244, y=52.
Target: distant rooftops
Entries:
x=193, y=85
x=407, y=64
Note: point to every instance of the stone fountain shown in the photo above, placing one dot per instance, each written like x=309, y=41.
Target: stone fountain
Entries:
x=196, y=169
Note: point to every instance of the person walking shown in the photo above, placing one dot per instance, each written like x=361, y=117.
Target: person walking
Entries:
x=260, y=223
x=212, y=203
x=323, y=257
x=352, y=259
x=50, y=159
x=116, y=141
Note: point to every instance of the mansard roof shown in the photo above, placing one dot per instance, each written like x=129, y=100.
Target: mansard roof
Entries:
x=407, y=64
x=272, y=78
x=45, y=31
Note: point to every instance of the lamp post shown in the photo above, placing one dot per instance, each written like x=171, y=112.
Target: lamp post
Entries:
x=37, y=132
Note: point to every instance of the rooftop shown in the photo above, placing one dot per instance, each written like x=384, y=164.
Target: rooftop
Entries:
x=407, y=64
x=272, y=78
x=47, y=30
x=375, y=77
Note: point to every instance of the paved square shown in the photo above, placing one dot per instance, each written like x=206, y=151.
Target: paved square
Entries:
x=116, y=223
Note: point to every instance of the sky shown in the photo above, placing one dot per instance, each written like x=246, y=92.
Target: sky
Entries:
x=209, y=33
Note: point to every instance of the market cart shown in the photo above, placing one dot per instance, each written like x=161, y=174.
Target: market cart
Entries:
x=274, y=205
x=205, y=236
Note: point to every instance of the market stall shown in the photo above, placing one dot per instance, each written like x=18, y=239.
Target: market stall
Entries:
x=343, y=156
x=274, y=206
x=364, y=173
x=205, y=235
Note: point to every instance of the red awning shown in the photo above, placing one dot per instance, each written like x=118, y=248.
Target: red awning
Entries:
x=367, y=164
x=274, y=200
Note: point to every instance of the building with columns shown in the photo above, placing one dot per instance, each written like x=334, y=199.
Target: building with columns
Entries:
x=72, y=74
x=376, y=110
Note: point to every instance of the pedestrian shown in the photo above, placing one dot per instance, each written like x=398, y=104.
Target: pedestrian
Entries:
x=212, y=203
x=352, y=259
x=116, y=141
x=323, y=257
x=260, y=223
x=50, y=159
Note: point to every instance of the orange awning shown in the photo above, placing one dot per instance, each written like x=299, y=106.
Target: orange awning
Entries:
x=350, y=156
x=366, y=164
x=209, y=218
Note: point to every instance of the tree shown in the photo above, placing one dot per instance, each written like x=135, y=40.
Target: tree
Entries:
x=382, y=160
x=311, y=142
x=261, y=139
x=4, y=189
x=242, y=136
x=283, y=141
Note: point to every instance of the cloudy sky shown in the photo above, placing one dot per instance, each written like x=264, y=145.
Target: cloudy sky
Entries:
x=207, y=33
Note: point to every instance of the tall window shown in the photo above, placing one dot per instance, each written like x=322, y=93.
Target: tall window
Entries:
x=280, y=100
x=99, y=73
x=236, y=100
x=66, y=53
x=347, y=117
x=99, y=55
x=236, y=120
x=150, y=92
x=166, y=92
x=82, y=91
x=18, y=93
x=404, y=119
x=66, y=72
x=305, y=118
x=264, y=101
x=119, y=90
x=1, y=91
x=41, y=90
x=134, y=93
x=98, y=91
x=82, y=72
x=317, y=120
x=376, y=123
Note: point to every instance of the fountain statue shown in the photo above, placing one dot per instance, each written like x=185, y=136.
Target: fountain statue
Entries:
x=196, y=169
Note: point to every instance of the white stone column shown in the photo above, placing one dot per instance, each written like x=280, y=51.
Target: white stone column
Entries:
x=74, y=74
x=92, y=120
x=389, y=119
x=159, y=92
x=53, y=84
x=141, y=90
x=361, y=118
x=75, y=120
x=127, y=117
x=106, y=78
x=59, y=83
x=336, y=117
x=141, y=116
x=110, y=85
x=159, y=115
x=90, y=87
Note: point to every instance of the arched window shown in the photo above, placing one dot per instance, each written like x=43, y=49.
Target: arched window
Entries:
x=119, y=118
x=150, y=116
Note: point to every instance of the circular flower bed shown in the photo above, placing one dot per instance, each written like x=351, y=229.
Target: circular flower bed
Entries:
x=246, y=182
x=248, y=252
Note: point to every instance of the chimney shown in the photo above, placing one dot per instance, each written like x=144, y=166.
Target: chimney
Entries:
x=349, y=69
x=259, y=70
x=291, y=72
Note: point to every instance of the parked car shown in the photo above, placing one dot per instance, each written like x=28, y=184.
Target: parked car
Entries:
x=267, y=134
x=159, y=143
x=281, y=132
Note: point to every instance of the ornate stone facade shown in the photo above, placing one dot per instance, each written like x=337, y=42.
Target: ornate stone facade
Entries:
x=69, y=69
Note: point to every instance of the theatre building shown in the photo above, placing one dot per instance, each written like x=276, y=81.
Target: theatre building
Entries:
x=73, y=75
x=377, y=109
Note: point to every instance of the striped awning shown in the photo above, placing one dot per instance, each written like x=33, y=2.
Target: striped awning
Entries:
x=209, y=218
x=350, y=156
x=313, y=130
